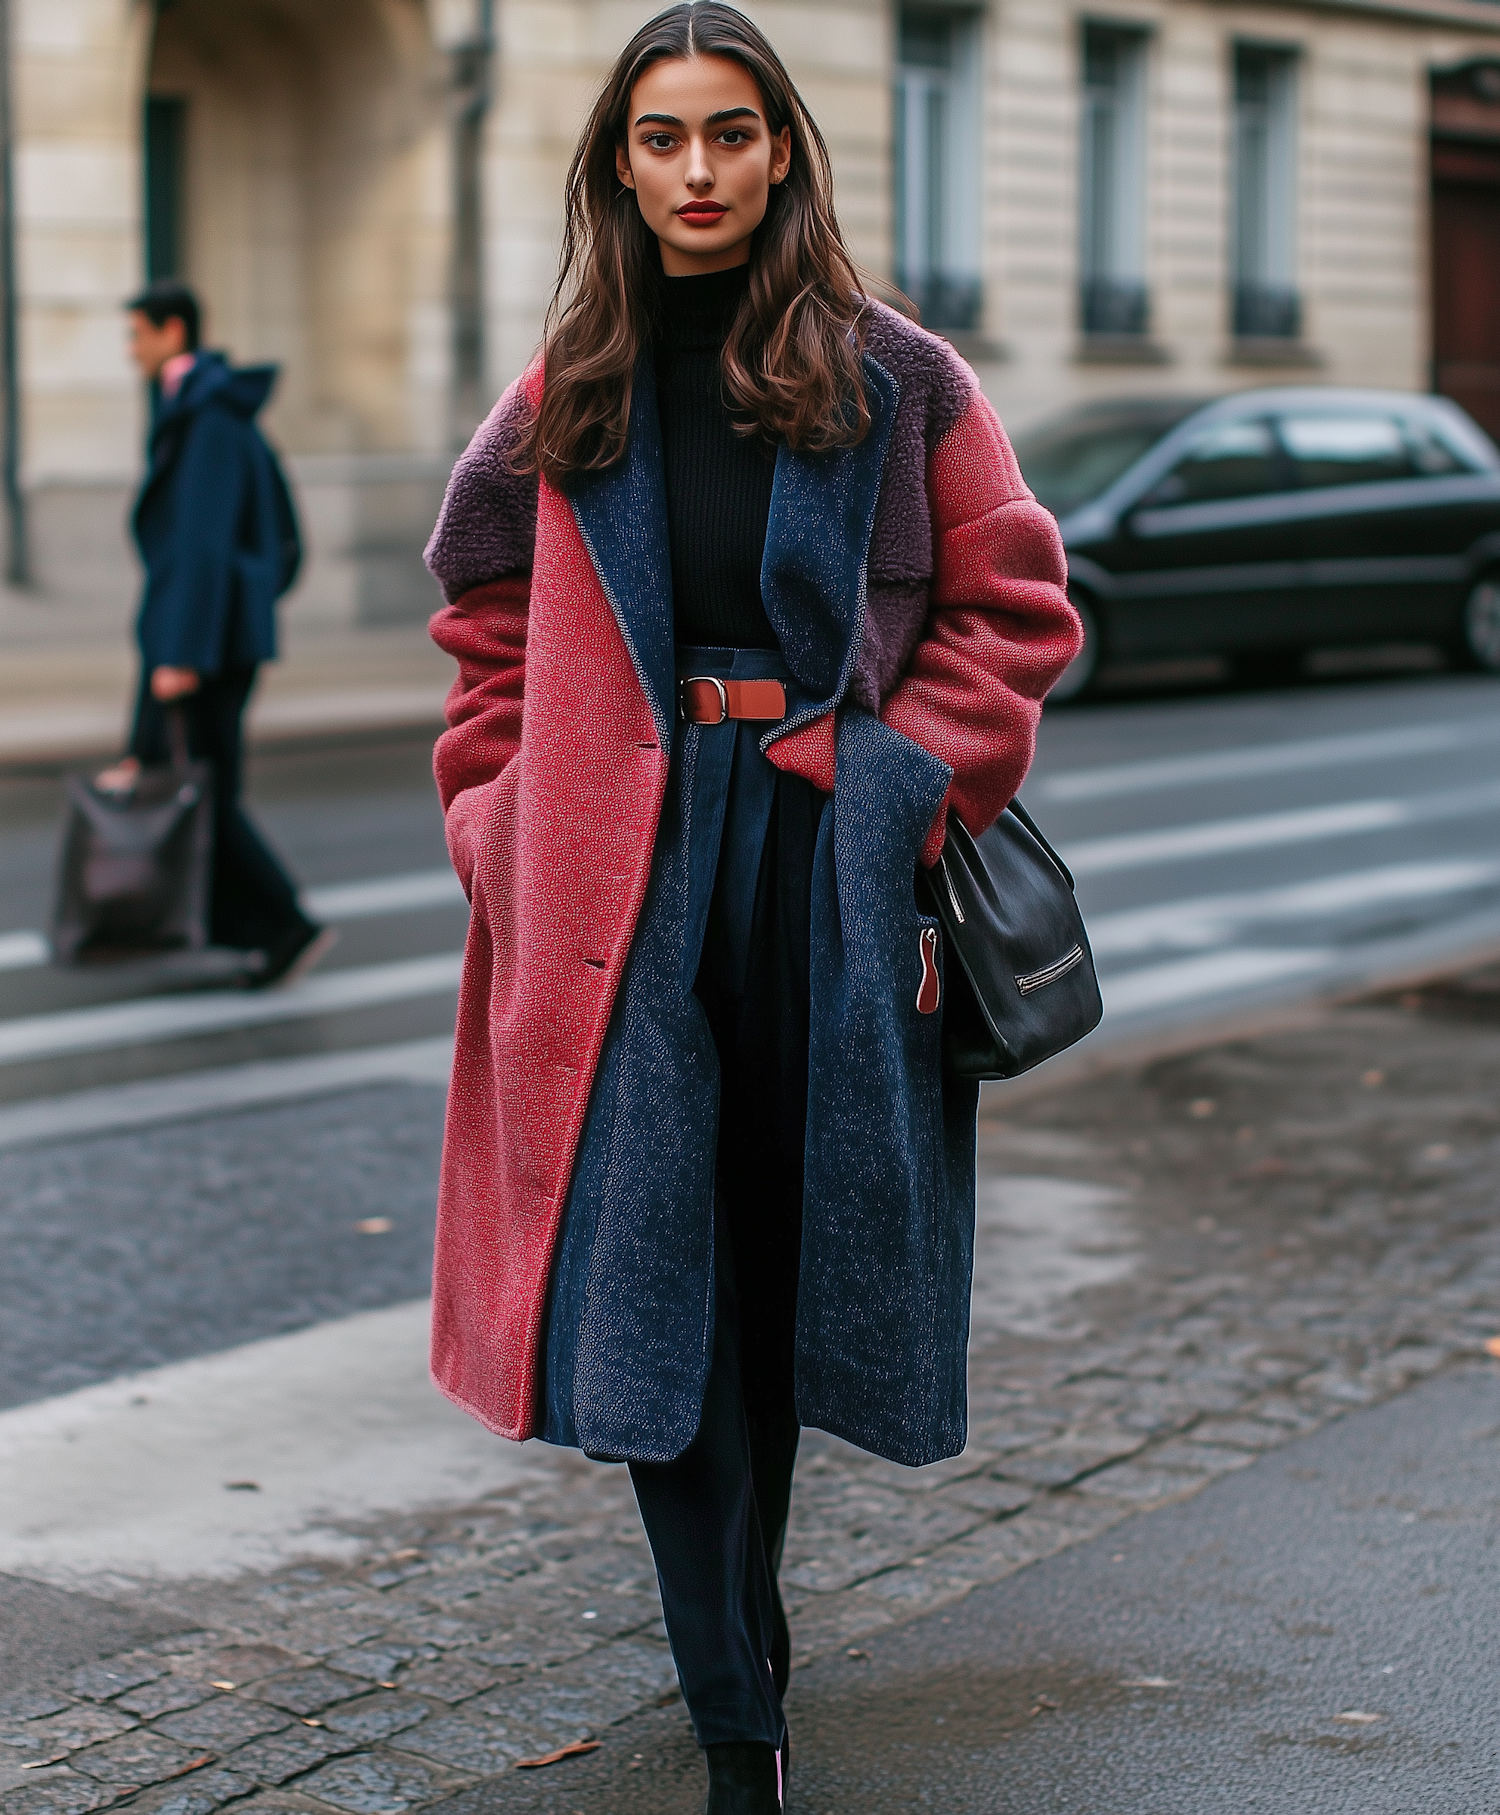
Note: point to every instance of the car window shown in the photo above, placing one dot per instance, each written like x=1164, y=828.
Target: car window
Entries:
x=1231, y=460
x=1347, y=449
x=1433, y=454
x=1067, y=467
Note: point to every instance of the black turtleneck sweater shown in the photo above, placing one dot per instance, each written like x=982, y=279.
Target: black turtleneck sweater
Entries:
x=718, y=482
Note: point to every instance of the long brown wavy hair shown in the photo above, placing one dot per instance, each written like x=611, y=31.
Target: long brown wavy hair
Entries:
x=791, y=360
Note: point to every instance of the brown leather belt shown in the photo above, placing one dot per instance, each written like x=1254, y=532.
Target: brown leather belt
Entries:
x=705, y=699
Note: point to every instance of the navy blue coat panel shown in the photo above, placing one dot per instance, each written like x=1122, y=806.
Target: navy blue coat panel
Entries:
x=214, y=524
x=888, y=1217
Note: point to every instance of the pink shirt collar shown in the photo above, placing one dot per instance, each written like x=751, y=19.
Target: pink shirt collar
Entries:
x=174, y=371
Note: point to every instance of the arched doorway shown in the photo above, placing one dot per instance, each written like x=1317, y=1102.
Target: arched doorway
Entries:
x=297, y=174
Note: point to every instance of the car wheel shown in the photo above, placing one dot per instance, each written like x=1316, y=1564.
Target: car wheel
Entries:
x=1478, y=644
x=1077, y=679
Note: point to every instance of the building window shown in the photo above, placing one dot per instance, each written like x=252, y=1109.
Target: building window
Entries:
x=1112, y=203
x=938, y=164
x=1263, y=267
x=166, y=143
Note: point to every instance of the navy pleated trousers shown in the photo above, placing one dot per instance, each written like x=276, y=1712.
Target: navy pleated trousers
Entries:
x=716, y=1515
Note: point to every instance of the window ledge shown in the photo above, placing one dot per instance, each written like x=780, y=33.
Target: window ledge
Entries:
x=1287, y=354
x=1121, y=350
x=970, y=344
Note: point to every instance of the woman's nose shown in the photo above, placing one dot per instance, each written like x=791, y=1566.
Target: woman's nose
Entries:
x=699, y=171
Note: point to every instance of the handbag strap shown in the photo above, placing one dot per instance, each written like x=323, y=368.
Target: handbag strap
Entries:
x=177, y=739
x=1036, y=832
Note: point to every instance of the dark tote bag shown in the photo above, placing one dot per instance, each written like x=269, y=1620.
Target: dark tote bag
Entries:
x=135, y=869
x=1020, y=976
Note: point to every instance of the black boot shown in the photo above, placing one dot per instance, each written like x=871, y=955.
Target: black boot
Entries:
x=743, y=1779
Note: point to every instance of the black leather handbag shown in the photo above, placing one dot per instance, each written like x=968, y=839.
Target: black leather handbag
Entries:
x=1020, y=980
x=135, y=868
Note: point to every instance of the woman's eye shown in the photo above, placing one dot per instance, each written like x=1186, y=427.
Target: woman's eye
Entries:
x=660, y=141
x=735, y=136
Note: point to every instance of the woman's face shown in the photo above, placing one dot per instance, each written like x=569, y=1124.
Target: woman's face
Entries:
x=701, y=159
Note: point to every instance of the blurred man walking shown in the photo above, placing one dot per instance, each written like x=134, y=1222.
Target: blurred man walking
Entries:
x=218, y=535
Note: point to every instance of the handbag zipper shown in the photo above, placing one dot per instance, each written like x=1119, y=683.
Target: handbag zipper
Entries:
x=952, y=892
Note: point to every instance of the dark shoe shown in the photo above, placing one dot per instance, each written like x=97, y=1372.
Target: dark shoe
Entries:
x=294, y=955
x=744, y=1778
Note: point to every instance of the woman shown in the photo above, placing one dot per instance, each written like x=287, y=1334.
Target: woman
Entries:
x=755, y=553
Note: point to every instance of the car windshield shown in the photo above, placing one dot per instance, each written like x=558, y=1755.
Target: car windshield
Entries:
x=1072, y=459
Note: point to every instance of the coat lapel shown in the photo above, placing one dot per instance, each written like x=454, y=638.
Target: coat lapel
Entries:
x=817, y=551
x=622, y=517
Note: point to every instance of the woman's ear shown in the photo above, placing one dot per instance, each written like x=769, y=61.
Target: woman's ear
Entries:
x=622, y=167
x=781, y=154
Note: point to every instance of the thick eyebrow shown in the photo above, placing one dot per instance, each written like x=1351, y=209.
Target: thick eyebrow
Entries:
x=714, y=119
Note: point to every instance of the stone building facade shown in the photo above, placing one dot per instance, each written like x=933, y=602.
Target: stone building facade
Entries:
x=1093, y=199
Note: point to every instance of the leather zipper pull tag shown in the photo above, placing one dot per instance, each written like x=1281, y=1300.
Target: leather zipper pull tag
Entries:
x=930, y=988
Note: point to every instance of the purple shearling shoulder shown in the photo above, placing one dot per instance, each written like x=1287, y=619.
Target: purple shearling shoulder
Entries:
x=936, y=389
x=486, y=529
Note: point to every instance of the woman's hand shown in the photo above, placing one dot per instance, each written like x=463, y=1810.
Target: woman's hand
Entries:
x=168, y=684
x=120, y=777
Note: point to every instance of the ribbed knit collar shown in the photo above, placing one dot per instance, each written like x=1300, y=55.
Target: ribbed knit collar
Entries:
x=698, y=311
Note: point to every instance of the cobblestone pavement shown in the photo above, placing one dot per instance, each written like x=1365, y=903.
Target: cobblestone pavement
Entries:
x=1180, y=1266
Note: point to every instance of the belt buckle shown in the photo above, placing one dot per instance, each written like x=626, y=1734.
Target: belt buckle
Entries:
x=718, y=687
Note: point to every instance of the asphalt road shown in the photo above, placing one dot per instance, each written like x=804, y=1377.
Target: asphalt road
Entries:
x=184, y=1168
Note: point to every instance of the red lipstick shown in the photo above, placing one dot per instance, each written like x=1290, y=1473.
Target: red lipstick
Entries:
x=702, y=213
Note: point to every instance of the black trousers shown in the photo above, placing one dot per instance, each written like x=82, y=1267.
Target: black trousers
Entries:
x=716, y=1516
x=254, y=903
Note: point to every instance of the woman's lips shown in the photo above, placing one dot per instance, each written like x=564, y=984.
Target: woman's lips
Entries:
x=702, y=214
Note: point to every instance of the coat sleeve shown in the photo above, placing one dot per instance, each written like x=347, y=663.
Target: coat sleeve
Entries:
x=485, y=632
x=481, y=554
x=1001, y=629
x=190, y=588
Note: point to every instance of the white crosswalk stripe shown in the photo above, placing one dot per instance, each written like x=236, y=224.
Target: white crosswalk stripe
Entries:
x=1256, y=760
x=1217, y=920
x=194, y=1093
x=179, y=1017
x=1157, y=986
x=1264, y=831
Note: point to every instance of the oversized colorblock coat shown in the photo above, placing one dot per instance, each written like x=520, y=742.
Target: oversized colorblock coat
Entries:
x=918, y=592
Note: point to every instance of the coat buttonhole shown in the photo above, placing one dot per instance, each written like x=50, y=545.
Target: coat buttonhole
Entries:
x=597, y=964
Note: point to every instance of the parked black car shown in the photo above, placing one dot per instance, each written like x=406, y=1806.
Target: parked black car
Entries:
x=1265, y=524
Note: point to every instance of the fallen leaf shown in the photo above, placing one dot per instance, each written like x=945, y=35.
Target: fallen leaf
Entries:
x=1148, y=1682
x=1045, y=1705
x=213, y=1685
x=385, y=1685
x=41, y=1764
x=194, y=1764
x=578, y=1747
x=307, y=1722
x=1357, y=1717
x=854, y=1651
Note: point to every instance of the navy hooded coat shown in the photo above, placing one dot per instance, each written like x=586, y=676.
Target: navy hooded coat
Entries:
x=214, y=524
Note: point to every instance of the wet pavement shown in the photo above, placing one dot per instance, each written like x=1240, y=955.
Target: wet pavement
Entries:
x=1188, y=1269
